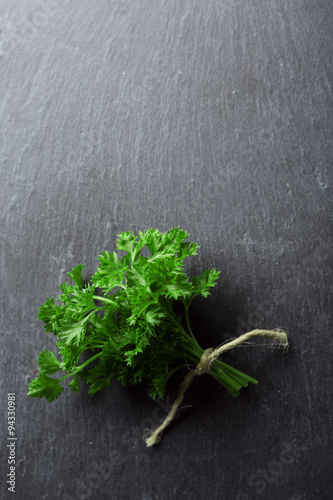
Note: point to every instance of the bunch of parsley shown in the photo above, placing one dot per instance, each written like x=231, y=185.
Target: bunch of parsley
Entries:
x=125, y=319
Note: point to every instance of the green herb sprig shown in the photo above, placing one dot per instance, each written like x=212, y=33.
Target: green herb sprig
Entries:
x=125, y=319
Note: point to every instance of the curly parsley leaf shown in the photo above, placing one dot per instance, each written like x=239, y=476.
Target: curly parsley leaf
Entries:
x=48, y=363
x=76, y=275
x=45, y=387
x=205, y=281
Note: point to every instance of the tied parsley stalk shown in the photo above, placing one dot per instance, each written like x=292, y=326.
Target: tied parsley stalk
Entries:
x=124, y=318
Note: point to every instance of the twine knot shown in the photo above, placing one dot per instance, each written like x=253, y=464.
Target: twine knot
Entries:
x=208, y=358
x=205, y=362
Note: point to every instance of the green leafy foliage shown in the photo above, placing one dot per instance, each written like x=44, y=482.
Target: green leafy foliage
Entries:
x=124, y=318
x=48, y=363
x=45, y=387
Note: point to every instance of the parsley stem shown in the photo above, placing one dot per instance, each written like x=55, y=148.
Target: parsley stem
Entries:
x=236, y=372
x=188, y=335
x=195, y=350
x=191, y=300
x=177, y=323
x=187, y=355
x=188, y=322
x=104, y=299
x=79, y=368
x=172, y=372
x=145, y=306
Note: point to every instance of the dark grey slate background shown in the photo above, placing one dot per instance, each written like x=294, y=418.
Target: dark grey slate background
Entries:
x=213, y=116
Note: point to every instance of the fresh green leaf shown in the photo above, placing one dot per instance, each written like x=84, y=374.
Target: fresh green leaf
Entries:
x=205, y=281
x=48, y=363
x=45, y=387
x=76, y=275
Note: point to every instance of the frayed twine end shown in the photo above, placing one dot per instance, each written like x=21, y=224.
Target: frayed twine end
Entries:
x=152, y=437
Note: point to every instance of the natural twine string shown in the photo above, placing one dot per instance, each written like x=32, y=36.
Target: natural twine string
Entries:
x=206, y=362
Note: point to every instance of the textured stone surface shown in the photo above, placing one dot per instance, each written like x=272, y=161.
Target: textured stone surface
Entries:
x=214, y=116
